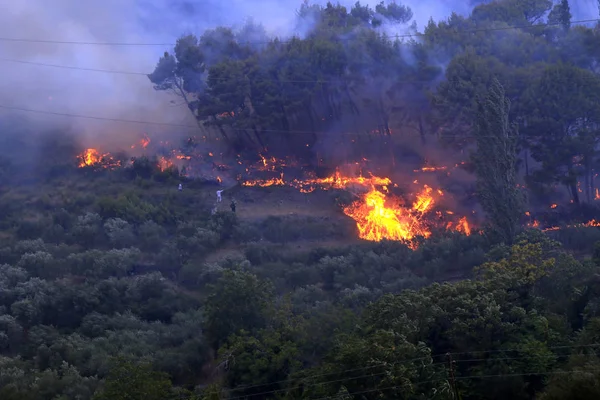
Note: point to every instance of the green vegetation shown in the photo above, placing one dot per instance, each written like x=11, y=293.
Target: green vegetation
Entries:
x=495, y=164
x=115, y=285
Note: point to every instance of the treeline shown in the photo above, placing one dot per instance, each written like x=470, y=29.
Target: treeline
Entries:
x=98, y=300
x=117, y=286
x=346, y=84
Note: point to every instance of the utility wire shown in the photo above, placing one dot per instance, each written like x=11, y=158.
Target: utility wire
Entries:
x=395, y=387
x=575, y=371
x=341, y=78
x=343, y=372
x=305, y=385
x=10, y=60
x=409, y=35
x=195, y=127
x=218, y=79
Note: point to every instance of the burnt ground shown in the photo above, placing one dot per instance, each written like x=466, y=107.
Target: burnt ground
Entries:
x=298, y=221
x=316, y=217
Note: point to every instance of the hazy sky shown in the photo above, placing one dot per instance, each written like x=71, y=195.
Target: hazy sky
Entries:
x=146, y=21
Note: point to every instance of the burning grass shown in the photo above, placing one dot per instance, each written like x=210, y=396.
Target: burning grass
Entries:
x=381, y=217
x=93, y=158
x=377, y=218
x=378, y=214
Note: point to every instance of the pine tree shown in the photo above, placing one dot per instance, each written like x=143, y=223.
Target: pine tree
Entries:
x=561, y=15
x=495, y=164
x=565, y=14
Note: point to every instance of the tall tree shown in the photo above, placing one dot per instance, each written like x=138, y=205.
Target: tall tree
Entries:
x=495, y=163
x=128, y=381
x=238, y=301
x=561, y=14
x=563, y=127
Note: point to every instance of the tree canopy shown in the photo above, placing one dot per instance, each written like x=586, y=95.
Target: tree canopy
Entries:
x=115, y=284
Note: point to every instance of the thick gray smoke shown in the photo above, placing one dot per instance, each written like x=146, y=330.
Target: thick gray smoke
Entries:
x=143, y=21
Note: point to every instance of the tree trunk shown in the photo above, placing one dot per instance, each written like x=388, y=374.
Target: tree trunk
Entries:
x=526, y=162
x=285, y=121
x=249, y=137
x=574, y=193
x=353, y=108
x=224, y=134
x=422, y=130
x=384, y=116
x=257, y=134
x=311, y=119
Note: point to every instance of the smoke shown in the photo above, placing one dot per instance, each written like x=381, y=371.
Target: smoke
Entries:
x=131, y=97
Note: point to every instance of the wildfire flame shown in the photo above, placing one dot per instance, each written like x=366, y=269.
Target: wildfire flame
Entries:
x=164, y=164
x=144, y=142
x=266, y=182
x=592, y=223
x=424, y=200
x=431, y=169
x=93, y=158
x=378, y=214
x=463, y=226
x=377, y=221
x=89, y=158
x=379, y=217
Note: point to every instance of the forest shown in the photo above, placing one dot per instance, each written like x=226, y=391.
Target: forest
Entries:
x=116, y=284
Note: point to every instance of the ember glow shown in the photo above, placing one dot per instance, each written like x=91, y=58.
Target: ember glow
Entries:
x=266, y=182
x=272, y=163
x=164, y=164
x=144, y=142
x=431, y=169
x=589, y=224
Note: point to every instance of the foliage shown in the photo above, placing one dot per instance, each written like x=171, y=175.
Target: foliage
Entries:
x=115, y=285
x=127, y=381
x=238, y=301
x=495, y=164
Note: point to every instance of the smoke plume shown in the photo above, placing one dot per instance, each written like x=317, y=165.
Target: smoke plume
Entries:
x=131, y=96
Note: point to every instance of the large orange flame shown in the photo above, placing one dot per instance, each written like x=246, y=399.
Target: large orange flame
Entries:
x=89, y=157
x=378, y=216
x=377, y=221
x=93, y=158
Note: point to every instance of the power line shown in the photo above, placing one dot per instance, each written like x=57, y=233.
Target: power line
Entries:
x=70, y=67
x=344, y=372
x=196, y=127
x=304, y=385
x=61, y=114
x=468, y=377
x=408, y=35
x=108, y=71
x=391, y=387
x=218, y=79
x=131, y=121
